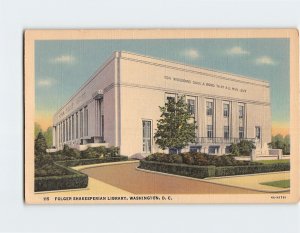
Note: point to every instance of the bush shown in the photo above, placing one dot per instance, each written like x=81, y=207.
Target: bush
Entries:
x=211, y=171
x=73, y=181
x=243, y=148
x=179, y=169
x=252, y=169
x=198, y=159
x=70, y=180
x=99, y=152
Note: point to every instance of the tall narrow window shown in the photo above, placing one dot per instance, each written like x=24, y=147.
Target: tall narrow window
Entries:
x=70, y=126
x=147, y=136
x=76, y=124
x=81, y=124
x=73, y=128
x=226, y=132
x=241, y=111
x=257, y=132
x=241, y=132
x=102, y=125
x=86, y=121
x=210, y=133
x=209, y=108
x=191, y=106
x=226, y=110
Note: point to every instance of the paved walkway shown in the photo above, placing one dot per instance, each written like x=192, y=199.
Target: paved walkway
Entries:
x=126, y=177
x=254, y=181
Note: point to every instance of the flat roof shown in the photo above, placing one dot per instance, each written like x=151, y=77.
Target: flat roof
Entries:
x=171, y=64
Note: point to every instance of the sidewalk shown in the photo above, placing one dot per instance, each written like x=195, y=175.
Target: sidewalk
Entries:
x=253, y=181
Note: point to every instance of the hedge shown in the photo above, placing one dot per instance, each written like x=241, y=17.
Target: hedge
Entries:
x=242, y=170
x=211, y=171
x=74, y=180
x=179, y=169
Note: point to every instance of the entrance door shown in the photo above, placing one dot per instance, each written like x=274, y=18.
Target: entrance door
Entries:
x=146, y=136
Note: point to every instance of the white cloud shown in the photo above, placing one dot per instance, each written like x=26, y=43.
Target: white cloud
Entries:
x=67, y=59
x=191, y=53
x=264, y=60
x=46, y=82
x=237, y=50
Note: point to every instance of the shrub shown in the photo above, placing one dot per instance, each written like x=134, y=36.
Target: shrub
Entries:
x=210, y=171
x=179, y=169
x=188, y=158
x=99, y=152
x=60, y=182
x=198, y=159
x=244, y=148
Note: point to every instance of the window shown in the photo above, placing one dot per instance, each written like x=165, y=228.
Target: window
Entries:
x=257, y=132
x=213, y=150
x=210, y=131
x=226, y=110
x=67, y=129
x=169, y=97
x=86, y=121
x=76, y=124
x=209, y=108
x=73, y=128
x=64, y=130
x=226, y=132
x=70, y=126
x=191, y=106
x=102, y=125
x=241, y=111
x=147, y=136
x=195, y=149
x=173, y=151
x=81, y=123
x=241, y=132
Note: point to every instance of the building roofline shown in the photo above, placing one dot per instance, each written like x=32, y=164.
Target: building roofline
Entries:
x=195, y=67
x=116, y=54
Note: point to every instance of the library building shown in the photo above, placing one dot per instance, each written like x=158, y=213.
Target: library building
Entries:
x=119, y=106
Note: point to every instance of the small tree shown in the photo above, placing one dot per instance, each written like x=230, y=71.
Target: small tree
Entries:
x=244, y=147
x=40, y=144
x=40, y=154
x=175, y=129
x=280, y=142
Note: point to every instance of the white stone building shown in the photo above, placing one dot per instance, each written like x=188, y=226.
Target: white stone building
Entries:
x=119, y=105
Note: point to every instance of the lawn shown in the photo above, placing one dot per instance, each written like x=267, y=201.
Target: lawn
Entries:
x=278, y=183
x=274, y=161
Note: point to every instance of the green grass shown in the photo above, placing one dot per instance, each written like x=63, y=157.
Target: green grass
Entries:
x=274, y=161
x=278, y=183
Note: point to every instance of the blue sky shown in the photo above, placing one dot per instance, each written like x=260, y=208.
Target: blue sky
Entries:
x=61, y=67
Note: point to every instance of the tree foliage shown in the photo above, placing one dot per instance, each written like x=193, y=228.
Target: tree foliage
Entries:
x=41, y=157
x=244, y=148
x=176, y=128
x=280, y=142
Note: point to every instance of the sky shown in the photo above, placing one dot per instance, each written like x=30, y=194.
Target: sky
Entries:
x=61, y=67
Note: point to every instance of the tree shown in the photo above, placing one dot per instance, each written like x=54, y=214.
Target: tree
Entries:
x=176, y=128
x=40, y=144
x=37, y=129
x=280, y=142
x=244, y=148
x=48, y=137
x=41, y=157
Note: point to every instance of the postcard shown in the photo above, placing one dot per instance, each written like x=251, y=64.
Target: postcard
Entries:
x=161, y=116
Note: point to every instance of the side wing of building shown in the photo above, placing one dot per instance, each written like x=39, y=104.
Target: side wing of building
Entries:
x=90, y=115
